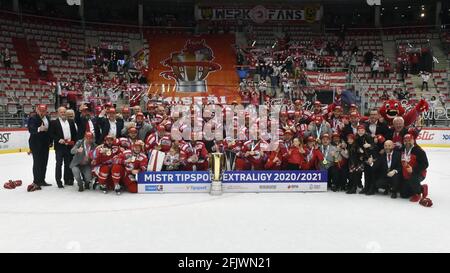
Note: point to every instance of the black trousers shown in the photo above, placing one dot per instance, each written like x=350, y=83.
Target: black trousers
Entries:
x=63, y=155
x=368, y=177
x=337, y=177
x=40, y=160
x=411, y=186
x=424, y=85
x=388, y=183
x=354, y=179
x=292, y=166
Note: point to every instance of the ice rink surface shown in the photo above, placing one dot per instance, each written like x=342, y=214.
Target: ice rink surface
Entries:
x=64, y=220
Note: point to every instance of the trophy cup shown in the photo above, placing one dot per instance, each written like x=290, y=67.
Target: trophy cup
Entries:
x=191, y=66
x=217, y=165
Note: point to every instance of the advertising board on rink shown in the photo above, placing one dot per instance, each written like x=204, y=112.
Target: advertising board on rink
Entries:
x=164, y=182
x=233, y=181
x=274, y=181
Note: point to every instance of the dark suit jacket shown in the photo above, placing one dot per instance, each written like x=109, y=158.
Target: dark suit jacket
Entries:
x=56, y=133
x=361, y=140
x=81, y=124
x=104, y=127
x=422, y=160
x=390, y=133
x=347, y=130
x=382, y=128
x=381, y=166
x=37, y=139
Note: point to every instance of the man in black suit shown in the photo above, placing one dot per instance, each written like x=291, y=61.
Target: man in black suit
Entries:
x=375, y=126
x=111, y=125
x=396, y=132
x=64, y=134
x=351, y=126
x=388, y=167
x=39, y=143
x=86, y=123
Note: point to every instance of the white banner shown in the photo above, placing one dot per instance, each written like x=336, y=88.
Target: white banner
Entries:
x=434, y=137
x=175, y=187
x=274, y=181
x=13, y=140
x=164, y=182
x=275, y=187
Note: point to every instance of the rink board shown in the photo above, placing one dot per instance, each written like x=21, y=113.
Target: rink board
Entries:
x=274, y=181
x=233, y=181
x=174, y=182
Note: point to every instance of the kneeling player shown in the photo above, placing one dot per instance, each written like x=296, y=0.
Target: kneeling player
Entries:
x=127, y=165
x=414, y=169
x=102, y=161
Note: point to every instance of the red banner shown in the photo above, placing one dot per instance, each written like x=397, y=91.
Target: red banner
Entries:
x=193, y=66
x=327, y=80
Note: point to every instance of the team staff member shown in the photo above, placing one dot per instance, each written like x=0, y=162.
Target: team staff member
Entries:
x=86, y=122
x=414, y=169
x=388, y=169
x=39, y=143
x=111, y=126
x=64, y=135
x=81, y=162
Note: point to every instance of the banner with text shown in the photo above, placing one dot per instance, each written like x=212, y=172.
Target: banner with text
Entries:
x=437, y=137
x=259, y=14
x=164, y=182
x=13, y=140
x=233, y=181
x=274, y=181
x=184, y=67
x=326, y=80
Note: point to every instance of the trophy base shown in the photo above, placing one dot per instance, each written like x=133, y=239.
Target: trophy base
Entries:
x=191, y=86
x=216, y=188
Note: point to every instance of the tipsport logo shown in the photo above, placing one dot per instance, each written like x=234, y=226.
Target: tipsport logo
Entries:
x=4, y=137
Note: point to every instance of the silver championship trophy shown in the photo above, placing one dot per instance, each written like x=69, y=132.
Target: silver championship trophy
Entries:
x=217, y=165
x=191, y=66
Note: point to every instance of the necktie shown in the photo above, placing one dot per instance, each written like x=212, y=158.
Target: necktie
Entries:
x=389, y=156
x=88, y=127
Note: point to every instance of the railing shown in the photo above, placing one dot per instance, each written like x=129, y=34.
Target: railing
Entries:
x=392, y=27
x=8, y=120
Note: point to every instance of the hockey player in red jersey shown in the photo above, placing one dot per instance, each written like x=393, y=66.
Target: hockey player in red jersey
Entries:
x=335, y=119
x=126, y=142
x=194, y=155
x=317, y=108
x=296, y=155
x=276, y=158
x=127, y=165
x=254, y=153
x=313, y=155
x=102, y=161
x=158, y=140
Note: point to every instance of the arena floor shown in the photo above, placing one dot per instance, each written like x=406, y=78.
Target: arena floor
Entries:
x=64, y=220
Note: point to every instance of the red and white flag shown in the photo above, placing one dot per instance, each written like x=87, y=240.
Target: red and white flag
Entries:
x=326, y=79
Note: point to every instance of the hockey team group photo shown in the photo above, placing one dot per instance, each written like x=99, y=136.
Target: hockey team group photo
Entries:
x=271, y=126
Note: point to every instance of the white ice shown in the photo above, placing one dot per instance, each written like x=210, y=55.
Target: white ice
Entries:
x=64, y=220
